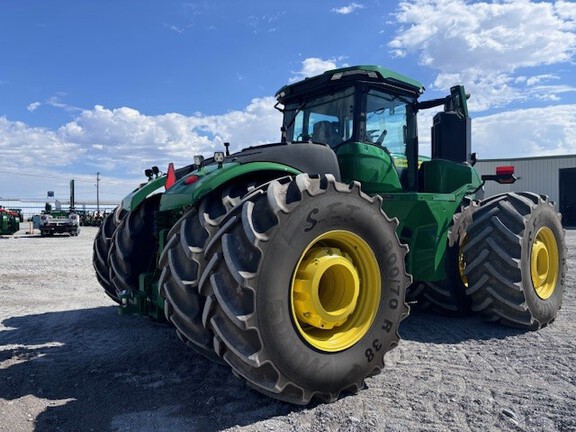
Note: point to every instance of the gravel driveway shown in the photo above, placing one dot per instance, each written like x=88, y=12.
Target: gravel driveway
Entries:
x=70, y=362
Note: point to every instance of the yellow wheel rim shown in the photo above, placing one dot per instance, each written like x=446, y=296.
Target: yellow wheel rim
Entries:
x=544, y=263
x=335, y=291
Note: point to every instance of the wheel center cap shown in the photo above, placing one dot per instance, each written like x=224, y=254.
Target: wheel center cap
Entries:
x=540, y=263
x=326, y=288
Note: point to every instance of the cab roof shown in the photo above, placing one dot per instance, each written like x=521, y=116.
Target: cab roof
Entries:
x=367, y=73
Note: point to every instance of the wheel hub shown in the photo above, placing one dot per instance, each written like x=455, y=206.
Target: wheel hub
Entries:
x=544, y=263
x=335, y=291
x=326, y=288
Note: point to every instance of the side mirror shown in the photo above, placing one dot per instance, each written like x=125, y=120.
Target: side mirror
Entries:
x=458, y=101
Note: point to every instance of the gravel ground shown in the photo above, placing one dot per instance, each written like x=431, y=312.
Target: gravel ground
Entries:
x=70, y=362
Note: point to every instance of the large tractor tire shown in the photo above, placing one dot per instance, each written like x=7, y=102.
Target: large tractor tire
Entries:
x=101, y=248
x=133, y=247
x=516, y=260
x=183, y=260
x=448, y=296
x=308, y=283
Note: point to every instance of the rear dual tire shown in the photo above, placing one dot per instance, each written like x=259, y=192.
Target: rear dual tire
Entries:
x=101, y=249
x=516, y=260
x=133, y=247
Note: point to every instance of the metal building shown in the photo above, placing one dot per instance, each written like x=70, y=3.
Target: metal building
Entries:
x=554, y=176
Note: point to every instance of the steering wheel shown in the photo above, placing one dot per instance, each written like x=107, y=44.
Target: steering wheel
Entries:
x=380, y=139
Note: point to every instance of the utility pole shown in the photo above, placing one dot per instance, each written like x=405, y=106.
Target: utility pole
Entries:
x=98, y=193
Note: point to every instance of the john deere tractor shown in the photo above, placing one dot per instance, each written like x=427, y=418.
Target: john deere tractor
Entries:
x=292, y=262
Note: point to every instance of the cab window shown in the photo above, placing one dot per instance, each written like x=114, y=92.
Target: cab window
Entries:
x=386, y=118
x=325, y=119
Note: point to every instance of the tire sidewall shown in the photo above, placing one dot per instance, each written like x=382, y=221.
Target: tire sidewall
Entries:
x=544, y=310
x=295, y=358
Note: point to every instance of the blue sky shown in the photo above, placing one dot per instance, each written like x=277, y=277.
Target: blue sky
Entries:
x=117, y=86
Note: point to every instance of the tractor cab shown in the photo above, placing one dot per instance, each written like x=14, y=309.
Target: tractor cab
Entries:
x=368, y=116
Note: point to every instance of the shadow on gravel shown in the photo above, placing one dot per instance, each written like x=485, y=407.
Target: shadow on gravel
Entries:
x=422, y=326
x=101, y=371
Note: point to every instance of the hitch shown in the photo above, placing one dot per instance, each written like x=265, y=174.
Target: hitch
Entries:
x=144, y=302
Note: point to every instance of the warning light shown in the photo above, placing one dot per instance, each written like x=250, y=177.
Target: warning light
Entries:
x=170, y=176
x=505, y=170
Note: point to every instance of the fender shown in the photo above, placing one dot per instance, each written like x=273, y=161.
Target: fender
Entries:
x=278, y=158
x=134, y=198
x=210, y=177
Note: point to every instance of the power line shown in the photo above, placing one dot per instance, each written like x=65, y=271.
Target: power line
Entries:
x=66, y=177
x=98, y=192
x=34, y=175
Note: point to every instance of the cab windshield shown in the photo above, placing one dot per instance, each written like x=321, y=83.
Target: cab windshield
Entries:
x=333, y=119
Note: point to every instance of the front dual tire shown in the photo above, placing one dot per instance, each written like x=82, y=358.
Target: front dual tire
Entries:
x=307, y=289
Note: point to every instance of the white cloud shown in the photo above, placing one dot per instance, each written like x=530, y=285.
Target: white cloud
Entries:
x=313, y=66
x=125, y=141
x=540, y=78
x=346, y=10
x=124, y=136
x=25, y=146
x=526, y=132
x=33, y=106
x=483, y=44
x=174, y=28
x=519, y=133
x=265, y=23
x=121, y=142
x=55, y=102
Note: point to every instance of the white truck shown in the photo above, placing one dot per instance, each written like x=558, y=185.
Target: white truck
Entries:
x=59, y=223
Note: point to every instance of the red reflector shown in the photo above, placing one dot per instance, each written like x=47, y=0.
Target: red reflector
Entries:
x=505, y=170
x=170, y=176
x=191, y=179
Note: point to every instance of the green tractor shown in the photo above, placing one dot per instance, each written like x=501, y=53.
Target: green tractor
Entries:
x=292, y=262
x=10, y=220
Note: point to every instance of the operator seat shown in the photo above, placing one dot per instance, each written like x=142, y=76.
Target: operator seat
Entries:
x=323, y=132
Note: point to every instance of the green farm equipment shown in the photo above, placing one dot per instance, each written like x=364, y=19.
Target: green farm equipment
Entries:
x=293, y=262
x=10, y=220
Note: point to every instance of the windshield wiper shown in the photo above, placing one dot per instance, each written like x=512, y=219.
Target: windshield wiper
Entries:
x=291, y=122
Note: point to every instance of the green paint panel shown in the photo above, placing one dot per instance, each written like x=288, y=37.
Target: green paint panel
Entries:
x=370, y=165
x=442, y=176
x=424, y=220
